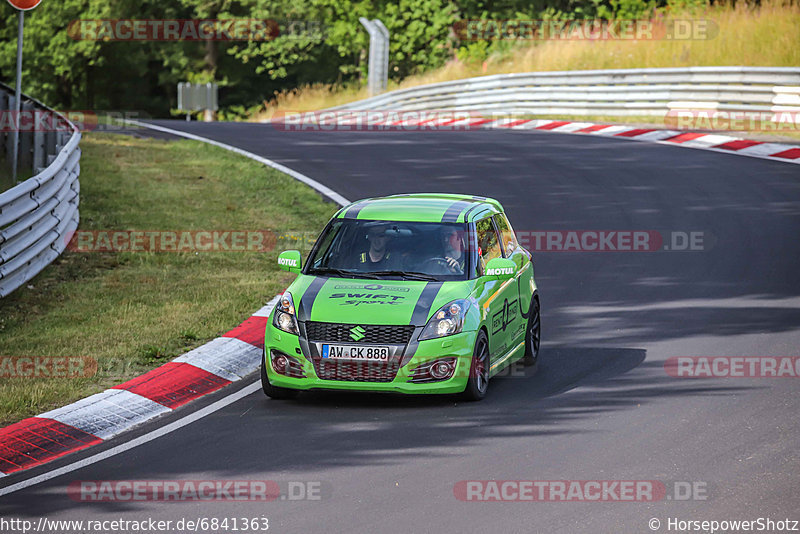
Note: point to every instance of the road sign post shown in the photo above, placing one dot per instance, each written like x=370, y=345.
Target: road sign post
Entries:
x=22, y=6
x=198, y=97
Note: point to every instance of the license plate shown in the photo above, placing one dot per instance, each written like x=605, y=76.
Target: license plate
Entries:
x=356, y=352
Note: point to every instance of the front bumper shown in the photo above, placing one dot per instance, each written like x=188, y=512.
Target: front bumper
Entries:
x=459, y=346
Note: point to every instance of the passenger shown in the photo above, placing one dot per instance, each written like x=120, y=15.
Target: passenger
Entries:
x=378, y=257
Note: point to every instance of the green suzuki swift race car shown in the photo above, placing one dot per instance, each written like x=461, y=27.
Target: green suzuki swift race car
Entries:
x=423, y=293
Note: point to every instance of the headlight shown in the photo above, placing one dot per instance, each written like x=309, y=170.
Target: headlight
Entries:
x=447, y=321
x=284, y=318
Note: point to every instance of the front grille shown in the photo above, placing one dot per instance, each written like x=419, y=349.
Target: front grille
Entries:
x=356, y=371
x=340, y=333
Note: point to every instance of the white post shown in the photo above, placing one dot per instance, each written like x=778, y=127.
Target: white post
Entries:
x=371, y=86
x=378, y=72
x=382, y=58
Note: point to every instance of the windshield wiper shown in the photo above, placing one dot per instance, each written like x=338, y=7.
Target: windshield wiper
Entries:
x=342, y=272
x=408, y=275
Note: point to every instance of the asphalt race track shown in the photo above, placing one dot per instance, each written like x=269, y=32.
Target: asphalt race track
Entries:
x=600, y=407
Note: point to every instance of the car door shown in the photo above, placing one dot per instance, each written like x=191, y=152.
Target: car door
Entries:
x=524, y=277
x=501, y=303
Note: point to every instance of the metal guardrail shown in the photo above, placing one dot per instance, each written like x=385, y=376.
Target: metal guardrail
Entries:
x=642, y=92
x=38, y=215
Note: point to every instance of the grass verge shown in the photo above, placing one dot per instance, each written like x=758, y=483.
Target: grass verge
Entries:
x=132, y=312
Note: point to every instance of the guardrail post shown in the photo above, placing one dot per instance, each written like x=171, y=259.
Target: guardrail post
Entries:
x=382, y=61
x=10, y=134
x=50, y=142
x=5, y=107
x=378, y=67
x=25, y=161
x=39, y=151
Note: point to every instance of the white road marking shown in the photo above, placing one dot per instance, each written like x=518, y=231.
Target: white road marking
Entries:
x=325, y=190
x=150, y=436
x=336, y=197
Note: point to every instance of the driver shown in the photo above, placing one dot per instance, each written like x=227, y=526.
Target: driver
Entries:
x=378, y=257
x=454, y=249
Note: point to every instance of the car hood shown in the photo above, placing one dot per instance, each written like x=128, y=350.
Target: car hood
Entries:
x=389, y=302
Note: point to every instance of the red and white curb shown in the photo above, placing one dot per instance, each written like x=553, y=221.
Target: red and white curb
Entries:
x=358, y=121
x=226, y=359
x=41, y=439
x=717, y=142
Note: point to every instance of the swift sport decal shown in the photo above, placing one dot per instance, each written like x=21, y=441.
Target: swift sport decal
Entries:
x=372, y=287
x=356, y=299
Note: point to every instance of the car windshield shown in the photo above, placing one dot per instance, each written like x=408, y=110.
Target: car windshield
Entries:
x=392, y=250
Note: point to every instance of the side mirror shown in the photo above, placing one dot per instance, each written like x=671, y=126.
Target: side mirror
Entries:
x=291, y=261
x=500, y=269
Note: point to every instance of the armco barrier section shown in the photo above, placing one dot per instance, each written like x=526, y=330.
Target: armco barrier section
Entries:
x=39, y=214
x=624, y=92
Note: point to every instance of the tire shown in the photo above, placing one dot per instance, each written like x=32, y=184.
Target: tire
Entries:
x=271, y=391
x=478, y=382
x=533, y=334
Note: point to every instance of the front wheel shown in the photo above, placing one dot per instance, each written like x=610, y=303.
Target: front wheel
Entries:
x=271, y=391
x=478, y=382
x=533, y=335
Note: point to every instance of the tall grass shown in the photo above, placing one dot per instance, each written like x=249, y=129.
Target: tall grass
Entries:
x=746, y=35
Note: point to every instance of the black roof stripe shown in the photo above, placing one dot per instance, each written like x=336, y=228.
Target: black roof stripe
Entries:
x=455, y=209
x=352, y=212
